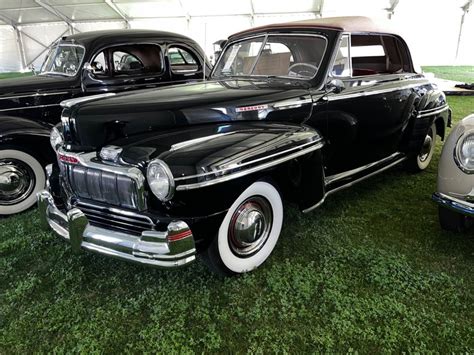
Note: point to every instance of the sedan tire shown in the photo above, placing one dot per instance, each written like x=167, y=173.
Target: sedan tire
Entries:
x=21, y=177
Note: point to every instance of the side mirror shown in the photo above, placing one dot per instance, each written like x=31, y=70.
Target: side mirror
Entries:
x=88, y=67
x=335, y=86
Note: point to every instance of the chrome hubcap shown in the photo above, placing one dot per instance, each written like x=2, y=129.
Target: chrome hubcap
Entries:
x=17, y=181
x=427, y=146
x=250, y=226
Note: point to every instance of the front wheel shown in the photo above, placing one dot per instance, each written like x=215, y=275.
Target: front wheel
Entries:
x=453, y=221
x=21, y=177
x=421, y=161
x=249, y=232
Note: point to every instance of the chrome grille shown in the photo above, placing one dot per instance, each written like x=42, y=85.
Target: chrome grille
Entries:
x=103, y=186
x=122, y=221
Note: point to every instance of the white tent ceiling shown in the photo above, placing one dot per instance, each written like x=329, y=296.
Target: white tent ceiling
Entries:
x=28, y=27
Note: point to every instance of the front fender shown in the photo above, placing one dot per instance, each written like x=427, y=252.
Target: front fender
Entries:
x=453, y=181
x=220, y=161
x=30, y=135
x=10, y=126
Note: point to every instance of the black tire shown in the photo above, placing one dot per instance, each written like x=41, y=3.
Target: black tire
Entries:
x=248, y=232
x=422, y=160
x=453, y=221
x=22, y=176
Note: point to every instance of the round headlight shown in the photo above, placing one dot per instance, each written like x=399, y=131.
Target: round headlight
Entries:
x=160, y=179
x=56, y=138
x=465, y=152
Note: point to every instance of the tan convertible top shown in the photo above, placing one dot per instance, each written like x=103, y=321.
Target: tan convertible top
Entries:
x=346, y=24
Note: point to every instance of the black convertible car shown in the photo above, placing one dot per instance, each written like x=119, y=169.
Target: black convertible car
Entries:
x=89, y=63
x=293, y=112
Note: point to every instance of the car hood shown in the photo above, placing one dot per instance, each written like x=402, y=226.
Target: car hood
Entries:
x=32, y=84
x=99, y=122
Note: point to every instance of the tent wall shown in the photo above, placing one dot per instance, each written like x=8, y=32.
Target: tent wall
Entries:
x=9, y=53
x=431, y=27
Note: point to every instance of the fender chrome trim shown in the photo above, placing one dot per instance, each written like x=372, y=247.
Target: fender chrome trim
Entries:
x=26, y=107
x=34, y=95
x=434, y=111
x=72, y=102
x=315, y=146
x=345, y=96
x=222, y=171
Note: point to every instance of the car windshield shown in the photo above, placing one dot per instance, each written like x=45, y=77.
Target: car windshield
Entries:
x=63, y=59
x=287, y=56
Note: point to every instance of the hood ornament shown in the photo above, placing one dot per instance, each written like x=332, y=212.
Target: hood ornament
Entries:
x=110, y=153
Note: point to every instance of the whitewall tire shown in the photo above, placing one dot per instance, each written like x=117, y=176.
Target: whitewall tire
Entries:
x=249, y=232
x=21, y=177
x=423, y=159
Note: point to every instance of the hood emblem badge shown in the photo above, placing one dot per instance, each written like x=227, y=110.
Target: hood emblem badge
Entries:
x=251, y=108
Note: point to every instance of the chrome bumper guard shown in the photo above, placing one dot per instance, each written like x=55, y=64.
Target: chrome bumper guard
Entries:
x=454, y=204
x=172, y=248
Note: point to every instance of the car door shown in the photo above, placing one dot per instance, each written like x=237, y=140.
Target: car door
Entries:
x=367, y=118
x=126, y=67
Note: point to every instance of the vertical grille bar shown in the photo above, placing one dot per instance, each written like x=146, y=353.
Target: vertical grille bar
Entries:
x=103, y=186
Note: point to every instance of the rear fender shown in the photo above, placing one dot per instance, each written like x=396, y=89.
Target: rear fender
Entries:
x=430, y=108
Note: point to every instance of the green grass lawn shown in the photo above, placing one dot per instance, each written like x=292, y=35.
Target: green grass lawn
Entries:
x=14, y=75
x=457, y=73
x=369, y=271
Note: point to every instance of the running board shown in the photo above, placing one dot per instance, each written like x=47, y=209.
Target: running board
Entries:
x=337, y=182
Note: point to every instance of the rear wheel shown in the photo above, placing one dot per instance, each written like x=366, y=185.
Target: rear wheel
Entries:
x=421, y=161
x=453, y=221
x=249, y=231
x=21, y=177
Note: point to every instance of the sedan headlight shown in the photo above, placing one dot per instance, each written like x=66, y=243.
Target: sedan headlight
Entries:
x=56, y=138
x=160, y=179
x=465, y=152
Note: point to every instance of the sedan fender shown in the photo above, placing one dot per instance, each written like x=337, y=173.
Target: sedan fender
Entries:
x=21, y=132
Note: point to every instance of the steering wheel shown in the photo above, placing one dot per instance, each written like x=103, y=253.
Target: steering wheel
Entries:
x=307, y=70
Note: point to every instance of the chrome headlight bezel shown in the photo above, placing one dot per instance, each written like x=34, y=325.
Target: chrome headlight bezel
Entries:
x=56, y=138
x=458, y=152
x=163, y=193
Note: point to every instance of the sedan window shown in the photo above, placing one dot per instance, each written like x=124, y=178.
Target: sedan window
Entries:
x=137, y=59
x=182, y=60
x=99, y=65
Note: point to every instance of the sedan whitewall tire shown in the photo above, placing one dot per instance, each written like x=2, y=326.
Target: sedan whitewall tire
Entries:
x=21, y=177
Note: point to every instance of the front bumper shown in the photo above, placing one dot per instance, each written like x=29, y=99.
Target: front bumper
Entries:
x=172, y=248
x=454, y=204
